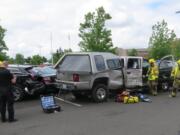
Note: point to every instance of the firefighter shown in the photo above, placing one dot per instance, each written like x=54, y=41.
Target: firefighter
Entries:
x=175, y=75
x=152, y=74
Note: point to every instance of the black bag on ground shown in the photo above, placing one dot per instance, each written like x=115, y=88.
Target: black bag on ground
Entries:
x=48, y=104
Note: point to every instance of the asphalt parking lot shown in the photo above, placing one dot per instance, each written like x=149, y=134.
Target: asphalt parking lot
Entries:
x=161, y=117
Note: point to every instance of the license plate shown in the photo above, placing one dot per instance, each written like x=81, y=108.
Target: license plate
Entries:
x=64, y=86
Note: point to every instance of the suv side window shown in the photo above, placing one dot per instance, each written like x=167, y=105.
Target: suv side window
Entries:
x=100, y=64
x=113, y=63
x=133, y=63
x=145, y=63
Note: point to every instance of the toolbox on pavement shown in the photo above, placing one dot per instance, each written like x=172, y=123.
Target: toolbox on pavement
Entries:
x=48, y=104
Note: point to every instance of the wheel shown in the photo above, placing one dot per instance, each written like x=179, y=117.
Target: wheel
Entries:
x=78, y=95
x=18, y=93
x=100, y=93
x=165, y=86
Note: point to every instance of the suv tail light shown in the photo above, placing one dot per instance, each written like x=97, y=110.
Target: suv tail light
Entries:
x=75, y=77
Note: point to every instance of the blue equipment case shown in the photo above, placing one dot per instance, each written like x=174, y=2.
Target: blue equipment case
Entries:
x=48, y=104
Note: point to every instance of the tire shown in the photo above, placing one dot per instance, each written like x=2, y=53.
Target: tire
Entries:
x=18, y=93
x=78, y=95
x=81, y=95
x=100, y=93
x=165, y=86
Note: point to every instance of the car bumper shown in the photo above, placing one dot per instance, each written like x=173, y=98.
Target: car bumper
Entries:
x=72, y=86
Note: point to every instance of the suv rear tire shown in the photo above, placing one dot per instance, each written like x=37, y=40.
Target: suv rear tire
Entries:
x=77, y=95
x=18, y=93
x=100, y=93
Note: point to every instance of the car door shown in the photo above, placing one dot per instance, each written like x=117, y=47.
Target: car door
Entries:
x=166, y=65
x=115, y=74
x=133, y=72
x=166, y=62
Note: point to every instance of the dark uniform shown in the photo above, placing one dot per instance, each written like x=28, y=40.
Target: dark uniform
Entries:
x=6, y=95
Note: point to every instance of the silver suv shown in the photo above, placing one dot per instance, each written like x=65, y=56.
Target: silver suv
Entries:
x=90, y=73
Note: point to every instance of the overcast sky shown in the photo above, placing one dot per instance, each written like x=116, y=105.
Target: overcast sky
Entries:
x=30, y=22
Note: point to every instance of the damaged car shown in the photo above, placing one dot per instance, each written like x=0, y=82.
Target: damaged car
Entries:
x=31, y=81
x=166, y=65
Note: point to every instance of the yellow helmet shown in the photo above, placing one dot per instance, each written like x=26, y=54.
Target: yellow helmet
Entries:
x=178, y=62
x=151, y=61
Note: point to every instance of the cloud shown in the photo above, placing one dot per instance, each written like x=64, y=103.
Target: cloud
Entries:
x=30, y=22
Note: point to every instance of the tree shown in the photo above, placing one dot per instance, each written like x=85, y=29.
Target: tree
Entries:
x=161, y=40
x=19, y=59
x=93, y=33
x=132, y=52
x=44, y=59
x=176, y=48
x=37, y=60
x=59, y=53
x=2, y=42
x=11, y=60
x=3, y=56
x=28, y=60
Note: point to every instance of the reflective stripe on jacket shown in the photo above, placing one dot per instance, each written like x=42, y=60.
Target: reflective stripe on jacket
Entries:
x=153, y=73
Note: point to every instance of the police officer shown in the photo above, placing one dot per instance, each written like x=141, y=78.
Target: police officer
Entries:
x=175, y=75
x=6, y=95
x=153, y=73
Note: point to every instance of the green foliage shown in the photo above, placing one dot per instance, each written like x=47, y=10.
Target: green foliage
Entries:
x=3, y=56
x=44, y=59
x=176, y=48
x=11, y=61
x=37, y=60
x=2, y=42
x=93, y=33
x=19, y=59
x=59, y=53
x=132, y=52
x=28, y=60
x=34, y=60
x=161, y=40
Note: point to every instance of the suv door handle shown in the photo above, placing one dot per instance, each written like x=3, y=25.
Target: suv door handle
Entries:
x=128, y=72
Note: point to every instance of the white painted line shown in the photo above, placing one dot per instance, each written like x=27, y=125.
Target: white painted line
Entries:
x=68, y=102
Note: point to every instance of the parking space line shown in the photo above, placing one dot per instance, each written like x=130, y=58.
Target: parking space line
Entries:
x=68, y=102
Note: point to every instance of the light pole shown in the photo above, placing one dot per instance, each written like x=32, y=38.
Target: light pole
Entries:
x=52, y=60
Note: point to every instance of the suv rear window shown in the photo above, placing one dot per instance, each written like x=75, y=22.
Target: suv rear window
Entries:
x=75, y=63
